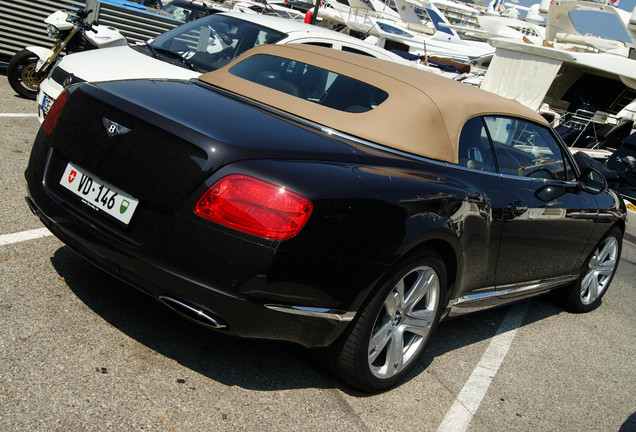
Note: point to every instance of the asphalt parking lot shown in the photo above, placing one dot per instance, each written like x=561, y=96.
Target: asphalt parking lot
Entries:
x=80, y=350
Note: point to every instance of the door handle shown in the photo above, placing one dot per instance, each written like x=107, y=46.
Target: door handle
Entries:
x=517, y=208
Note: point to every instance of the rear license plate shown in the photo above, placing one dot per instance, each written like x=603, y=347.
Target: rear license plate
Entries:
x=47, y=103
x=98, y=194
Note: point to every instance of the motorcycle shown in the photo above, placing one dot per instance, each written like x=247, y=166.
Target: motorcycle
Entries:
x=73, y=33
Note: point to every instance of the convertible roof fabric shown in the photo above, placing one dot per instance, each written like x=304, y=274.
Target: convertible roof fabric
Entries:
x=423, y=115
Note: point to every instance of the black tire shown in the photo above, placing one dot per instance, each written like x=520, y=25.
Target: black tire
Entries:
x=596, y=275
x=401, y=324
x=22, y=76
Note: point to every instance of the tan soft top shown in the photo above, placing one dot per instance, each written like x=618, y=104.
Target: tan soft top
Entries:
x=423, y=115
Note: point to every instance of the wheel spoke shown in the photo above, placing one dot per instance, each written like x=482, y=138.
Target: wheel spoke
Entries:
x=419, y=289
x=395, y=299
x=587, y=281
x=395, y=354
x=419, y=326
x=607, y=267
x=608, y=247
x=592, y=290
x=379, y=341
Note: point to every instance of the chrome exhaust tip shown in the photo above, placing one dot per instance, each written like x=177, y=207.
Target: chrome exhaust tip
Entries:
x=193, y=312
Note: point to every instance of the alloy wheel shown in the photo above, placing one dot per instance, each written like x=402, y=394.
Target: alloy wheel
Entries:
x=600, y=270
x=404, y=322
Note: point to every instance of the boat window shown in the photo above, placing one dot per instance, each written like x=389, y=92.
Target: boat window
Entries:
x=317, y=85
x=598, y=23
x=356, y=51
x=474, y=147
x=320, y=44
x=393, y=30
x=527, y=149
x=438, y=21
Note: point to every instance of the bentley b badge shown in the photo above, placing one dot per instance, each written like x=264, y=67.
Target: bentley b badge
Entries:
x=113, y=128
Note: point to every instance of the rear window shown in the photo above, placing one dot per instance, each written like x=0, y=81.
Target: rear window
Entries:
x=317, y=85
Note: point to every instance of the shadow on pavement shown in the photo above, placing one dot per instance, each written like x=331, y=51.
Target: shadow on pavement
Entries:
x=250, y=364
x=629, y=425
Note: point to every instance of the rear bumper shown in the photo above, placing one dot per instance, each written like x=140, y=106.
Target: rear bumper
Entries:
x=253, y=287
x=246, y=311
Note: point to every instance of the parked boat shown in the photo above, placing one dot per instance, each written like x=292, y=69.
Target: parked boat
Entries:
x=586, y=62
x=417, y=28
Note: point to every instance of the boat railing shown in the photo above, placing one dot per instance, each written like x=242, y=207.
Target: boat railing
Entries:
x=586, y=128
x=357, y=14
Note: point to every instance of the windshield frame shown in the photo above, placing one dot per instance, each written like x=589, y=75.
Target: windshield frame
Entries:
x=227, y=40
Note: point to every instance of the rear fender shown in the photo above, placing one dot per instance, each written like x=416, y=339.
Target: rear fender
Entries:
x=446, y=244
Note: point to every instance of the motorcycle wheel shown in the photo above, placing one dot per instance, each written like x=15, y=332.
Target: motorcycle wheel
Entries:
x=22, y=76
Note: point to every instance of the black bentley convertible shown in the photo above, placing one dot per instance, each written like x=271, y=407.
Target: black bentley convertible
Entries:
x=324, y=198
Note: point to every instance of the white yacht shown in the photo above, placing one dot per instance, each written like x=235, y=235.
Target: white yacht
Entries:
x=584, y=69
x=423, y=34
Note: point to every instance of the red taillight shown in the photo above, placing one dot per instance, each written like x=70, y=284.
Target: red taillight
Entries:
x=255, y=206
x=54, y=113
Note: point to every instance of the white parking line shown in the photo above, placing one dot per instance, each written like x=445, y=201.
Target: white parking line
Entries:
x=18, y=115
x=24, y=236
x=458, y=418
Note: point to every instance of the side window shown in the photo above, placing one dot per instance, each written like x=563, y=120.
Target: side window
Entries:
x=474, y=146
x=527, y=149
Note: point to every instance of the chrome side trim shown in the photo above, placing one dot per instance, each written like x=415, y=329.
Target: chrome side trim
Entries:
x=505, y=294
x=324, y=313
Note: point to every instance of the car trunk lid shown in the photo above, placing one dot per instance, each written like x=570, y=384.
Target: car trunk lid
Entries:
x=160, y=151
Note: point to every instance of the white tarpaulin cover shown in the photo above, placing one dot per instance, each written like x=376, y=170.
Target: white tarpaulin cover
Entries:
x=519, y=76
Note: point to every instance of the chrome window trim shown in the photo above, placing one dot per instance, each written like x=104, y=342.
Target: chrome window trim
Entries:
x=475, y=170
x=544, y=180
x=511, y=176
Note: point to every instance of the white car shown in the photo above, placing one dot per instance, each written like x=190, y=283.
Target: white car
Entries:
x=187, y=51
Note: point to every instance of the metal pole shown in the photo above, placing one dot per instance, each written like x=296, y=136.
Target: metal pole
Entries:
x=315, y=15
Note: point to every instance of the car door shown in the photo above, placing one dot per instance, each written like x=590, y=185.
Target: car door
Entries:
x=547, y=220
x=480, y=227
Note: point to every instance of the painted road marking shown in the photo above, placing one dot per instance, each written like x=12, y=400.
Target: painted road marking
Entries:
x=24, y=236
x=458, y=418
x=18, y=115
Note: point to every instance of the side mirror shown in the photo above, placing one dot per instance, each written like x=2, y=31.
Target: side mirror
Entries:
x=592, y=181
